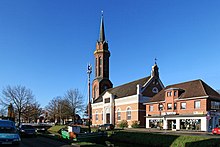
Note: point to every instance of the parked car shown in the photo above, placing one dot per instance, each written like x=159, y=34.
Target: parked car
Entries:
x=216, y=130
x=27, y=130
x=8, y=133
x=106, y=127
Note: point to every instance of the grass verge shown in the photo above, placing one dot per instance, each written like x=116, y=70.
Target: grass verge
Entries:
x=152, y=139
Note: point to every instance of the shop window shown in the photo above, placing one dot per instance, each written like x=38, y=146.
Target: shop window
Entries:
x=183, y=105
x=197, y=104
x=190, y=124
x=151, y=108
x=169, y=106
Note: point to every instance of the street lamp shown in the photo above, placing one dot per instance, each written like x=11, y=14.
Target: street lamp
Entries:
x=89, y=71
x=160, y=109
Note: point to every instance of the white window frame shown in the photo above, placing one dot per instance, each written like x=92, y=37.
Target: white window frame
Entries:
x=197, y=104
x=151, y=108
x=182, y=106
x=128, y=113
x=96, y=116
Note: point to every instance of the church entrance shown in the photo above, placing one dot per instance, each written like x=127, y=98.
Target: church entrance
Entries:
x=108, y=118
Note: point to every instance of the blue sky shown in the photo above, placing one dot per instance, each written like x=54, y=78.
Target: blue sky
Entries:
x=46, y=45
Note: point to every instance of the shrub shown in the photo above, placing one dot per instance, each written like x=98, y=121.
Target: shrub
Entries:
x=135, y=124
x=123, y=124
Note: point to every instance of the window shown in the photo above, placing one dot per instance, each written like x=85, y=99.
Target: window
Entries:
x=128, y=112
x=107, y=100
x=160, y=107
x=151, y=108
x=96, y=115
x=175, y=92
x=183, y=105
x=215, y=105
x=175, y=105
x=118, y=114
x=102, y=115
x=96, y=66
x=169, y=106
x=197, y=104
x=169, y=93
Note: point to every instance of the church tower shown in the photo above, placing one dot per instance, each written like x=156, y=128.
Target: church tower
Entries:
x=101, y=54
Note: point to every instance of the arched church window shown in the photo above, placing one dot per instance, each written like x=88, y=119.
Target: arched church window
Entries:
x=100, y=65
x=118, y=114
x=96, y=116
x=128, y=113
x=95, y=92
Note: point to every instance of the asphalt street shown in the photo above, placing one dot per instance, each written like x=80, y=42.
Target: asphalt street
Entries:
x=40, y=141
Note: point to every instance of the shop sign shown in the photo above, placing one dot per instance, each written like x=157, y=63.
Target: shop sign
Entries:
x=198, y=112
x=169, y=113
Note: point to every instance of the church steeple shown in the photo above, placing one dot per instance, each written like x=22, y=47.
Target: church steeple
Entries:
x=102, y=30
x=101, y=54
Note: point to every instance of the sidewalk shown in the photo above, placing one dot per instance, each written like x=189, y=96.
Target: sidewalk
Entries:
x=155, y=130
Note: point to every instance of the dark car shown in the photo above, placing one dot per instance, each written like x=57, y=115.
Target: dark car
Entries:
x=27, y=130
x=8, y=133
x=106, y=127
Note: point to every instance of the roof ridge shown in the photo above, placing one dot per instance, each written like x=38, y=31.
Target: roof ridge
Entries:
x=183, y=82
x=203, y=87
x=205, y=84
x=128, y=83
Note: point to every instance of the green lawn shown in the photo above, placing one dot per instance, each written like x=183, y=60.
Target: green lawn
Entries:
x=153, y=139
x=147, y=139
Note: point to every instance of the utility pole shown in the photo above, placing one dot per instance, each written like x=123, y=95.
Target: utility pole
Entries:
x=89, y=71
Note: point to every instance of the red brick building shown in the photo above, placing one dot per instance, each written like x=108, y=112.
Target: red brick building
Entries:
x=190, y=105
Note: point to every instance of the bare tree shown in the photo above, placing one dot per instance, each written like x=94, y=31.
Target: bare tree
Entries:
x=53, y=109
x=32, y=112
x=75, y=102
x=19, y=96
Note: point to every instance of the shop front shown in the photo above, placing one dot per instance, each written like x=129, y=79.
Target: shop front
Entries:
x=179, y=123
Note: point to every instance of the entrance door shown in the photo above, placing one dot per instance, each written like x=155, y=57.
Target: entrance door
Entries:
x=108, y=118
x=171, y=124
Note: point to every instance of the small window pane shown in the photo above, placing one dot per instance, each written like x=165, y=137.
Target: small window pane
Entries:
x=183, y=105
x=197, y=104
x=169, y=106
x=151, y=108
x=128, y=114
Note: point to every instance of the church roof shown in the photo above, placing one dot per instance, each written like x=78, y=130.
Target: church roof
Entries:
x=190, y=89
x=124, y=90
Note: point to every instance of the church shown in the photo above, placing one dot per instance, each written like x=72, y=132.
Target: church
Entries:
x=124, y=102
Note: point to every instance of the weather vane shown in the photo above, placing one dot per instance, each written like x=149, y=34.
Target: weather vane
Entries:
x=155, y=60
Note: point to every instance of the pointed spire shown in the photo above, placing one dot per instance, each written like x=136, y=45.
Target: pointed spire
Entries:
x=102, y=31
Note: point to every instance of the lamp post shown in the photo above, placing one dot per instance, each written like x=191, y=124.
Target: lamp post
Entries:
x=165, y=126
x=89, y=71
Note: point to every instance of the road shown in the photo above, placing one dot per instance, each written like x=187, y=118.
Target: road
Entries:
x=40, y=141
